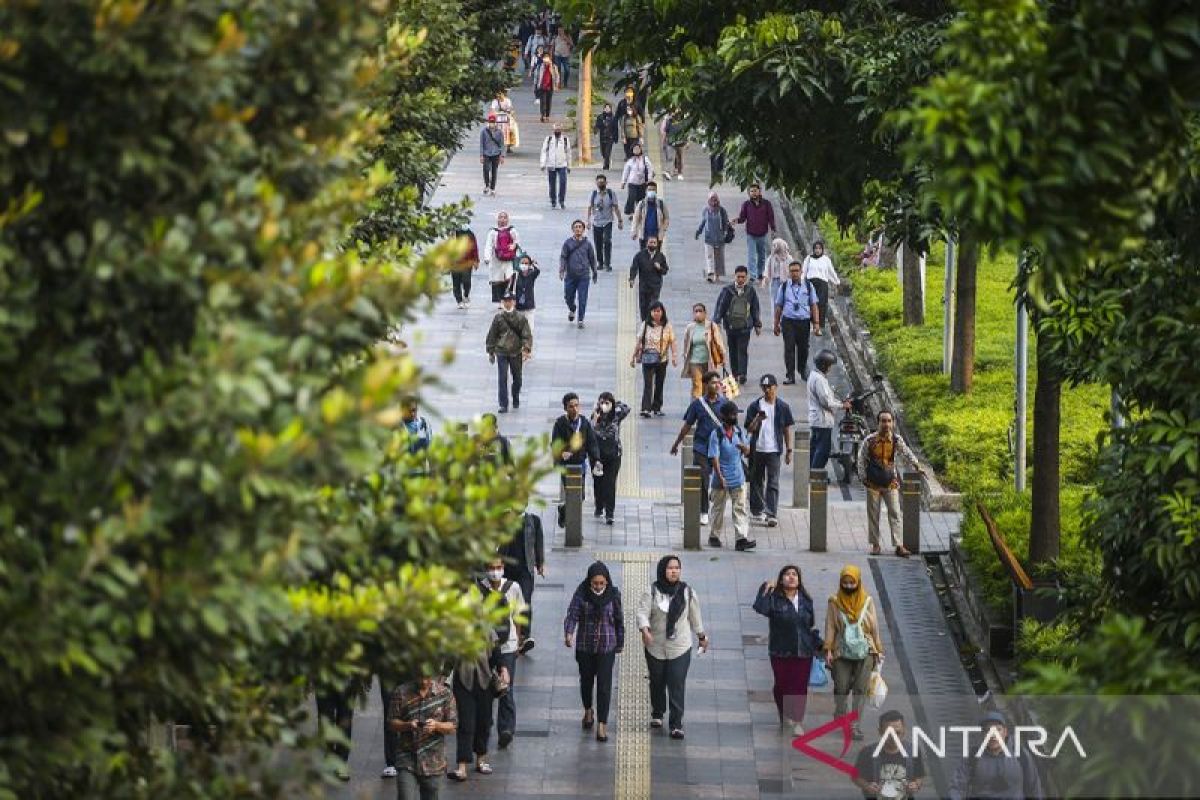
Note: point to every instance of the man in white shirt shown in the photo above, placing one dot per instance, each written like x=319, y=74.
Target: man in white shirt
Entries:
x=556, y=163
x=514, y=599
x=769, y=421
x=822, y=407
x=819, y=271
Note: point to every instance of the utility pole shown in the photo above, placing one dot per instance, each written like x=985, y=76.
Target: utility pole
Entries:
x=1022, y=384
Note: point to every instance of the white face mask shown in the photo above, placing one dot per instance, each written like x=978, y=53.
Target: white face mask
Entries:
x=651, y=194
x=598, y=592
x=495, y=574
x=606, y=407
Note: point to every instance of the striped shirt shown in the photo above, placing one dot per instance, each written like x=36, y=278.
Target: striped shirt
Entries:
x=419, y=752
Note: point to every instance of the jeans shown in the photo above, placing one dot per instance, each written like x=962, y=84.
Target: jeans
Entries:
x=506, y=716
x=714, y=260
x=606, y=153
x=564, y=69
x=795, y=346
x=575, y=292
x=336, y=709
x=635, y=193
x=606, y=486
x=461, y=281
x=822, y=444
x=557, y=175
x=491, y=164
x=653, y=378
x=390, y=737
x=891, y=498
x=737, y=502
x=603, y=236
x=668, y=677
x=410, y=786
x=474, y=721
x=505, y=365
x=791, y=685
x=764, y=468
x=701, y=460
x=545, y=98
x=739, y=351
x=646, y=296
x=822, y=289
x=596, y=668
x=850, y=675
x=756, y=255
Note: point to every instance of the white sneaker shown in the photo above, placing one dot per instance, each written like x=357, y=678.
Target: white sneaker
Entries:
x=679, y=176
x=667, y=175
x=704, y=519
x=797, y=729
x=388, y=772
x=772, y=522
x=466, y=303
x=461, y=306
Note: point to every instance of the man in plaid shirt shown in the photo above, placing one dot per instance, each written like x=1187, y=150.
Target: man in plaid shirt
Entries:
x=877, y=468
x=422, y=712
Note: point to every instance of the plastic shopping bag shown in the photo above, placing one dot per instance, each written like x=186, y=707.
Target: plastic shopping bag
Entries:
x=876, y=689
x=819, y=675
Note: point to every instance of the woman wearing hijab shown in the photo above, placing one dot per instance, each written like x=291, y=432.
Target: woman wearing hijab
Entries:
x=777, y=266
x=714, y=224
x=597, y=614
x=606, y=423
x=792, y=644
x=667, y=617
x=852, y=644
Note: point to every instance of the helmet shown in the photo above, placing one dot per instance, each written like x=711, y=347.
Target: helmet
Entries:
x=825, y=359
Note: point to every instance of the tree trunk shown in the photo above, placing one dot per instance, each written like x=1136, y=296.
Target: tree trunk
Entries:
x=887, y=255
x=585, y=108
x=914, y=288
x=962, y=366
x=1044, y=527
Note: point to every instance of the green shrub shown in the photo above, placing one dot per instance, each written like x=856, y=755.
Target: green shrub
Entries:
x=1047, y=642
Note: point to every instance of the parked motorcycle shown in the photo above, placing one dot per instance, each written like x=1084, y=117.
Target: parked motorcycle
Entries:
x=851, y=431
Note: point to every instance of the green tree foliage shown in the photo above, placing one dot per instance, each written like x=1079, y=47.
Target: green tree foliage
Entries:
x=205, y=509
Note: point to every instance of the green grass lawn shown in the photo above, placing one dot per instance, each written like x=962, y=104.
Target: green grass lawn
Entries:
x=965, y=438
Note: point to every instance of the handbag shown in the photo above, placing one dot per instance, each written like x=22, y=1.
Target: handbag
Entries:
x=650, y=358
x=732, y=387
x=498, y=685
x=728, y=234
x=879, y=475
x=819, y=675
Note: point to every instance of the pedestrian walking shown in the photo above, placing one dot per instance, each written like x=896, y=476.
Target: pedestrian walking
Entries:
x=525, y=557
x=637, y=173
x=631, y=98
x=727, y=446
x=563, y=46
x=633, y=129
x=509, y=344
x=460, y=276
x=508, y=638
x=556, y=163
x=545, y=78
x=796, y=316
x=491, y=153
x=668, y=616
x=703, y=349
x=822, y=408
x=595, y=625
x=852, y=645
x=572, y=444
x=1001, y=771
x=758, y=216
x=525, y=32
x=792, y=642
x=737, y=311
x=500, y=255
x=877, y=457
x=521, y=287
x=674, y=141
x=717, y=231
x=650, y=217
x=702, y=414
x=607, y=132
x=769, y=422
x=777, y=265
x=819, y=271
x=606, y=422
x=648, y=268
x=506, y=118
x=602, y=211
x=535, y=47
x=576, y=263
x=884, y=769
x=491, y=443
x=421, y=713
x=474, y=693
x=655, y=342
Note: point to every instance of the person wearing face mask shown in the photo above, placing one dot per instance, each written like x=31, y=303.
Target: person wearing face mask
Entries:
x=509, y=345
x=655, y=341
x=668, y=615
x=727, y=446
x=650, y=217
x=648, y=268
x=637, y=173
x=556, y=163
x=491, y=153
x=500, y=254
x=576, y=260
x=607, y=131
x=606, y=423
x=545, y=78
x=460, y=277
x=508, y=643
x=521, y=287
x=525, y=557
x=535, y=46
x=602, y=210
x=878, y=469
x=792, y=644
x=852, y=644
x=595, y=625
x=778, y=262
x=737, y=311
x=632, y=125
x=717, y=231
x=703, y=349
x=821, y=274
x=573, y=444
x=758, y=216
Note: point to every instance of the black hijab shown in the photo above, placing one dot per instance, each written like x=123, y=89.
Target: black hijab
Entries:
x=676, y=591
x=610, y=593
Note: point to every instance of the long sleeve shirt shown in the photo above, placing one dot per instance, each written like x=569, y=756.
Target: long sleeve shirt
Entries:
x=562, y=439
x=652, y=614
x=725, y=298
x=598, y=631
x=556, y=152
x=491, y=142
x=759, y=217
x=821, y=269
x=822, y=402
x=885, y=452
x=578, y=258
x=638, y=170
x=648, y=269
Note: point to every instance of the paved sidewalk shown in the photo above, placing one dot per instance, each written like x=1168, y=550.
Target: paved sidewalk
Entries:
x=734, y=747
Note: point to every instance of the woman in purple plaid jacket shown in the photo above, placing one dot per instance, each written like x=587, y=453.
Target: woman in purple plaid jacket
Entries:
x=597, y=613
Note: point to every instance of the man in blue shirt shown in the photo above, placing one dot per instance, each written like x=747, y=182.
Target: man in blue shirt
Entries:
x=419, y=435
x=726, y=446
x=796, y=316
x=703, y=414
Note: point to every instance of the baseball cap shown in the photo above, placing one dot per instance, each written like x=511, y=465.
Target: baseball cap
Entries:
x=509, y=296
x=768, y=380
x=991, y=717
x=491, y=118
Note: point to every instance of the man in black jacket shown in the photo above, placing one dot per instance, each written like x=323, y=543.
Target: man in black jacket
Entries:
x=648, y=268
x=737, y=310
x=524, y=556
x=573, y=444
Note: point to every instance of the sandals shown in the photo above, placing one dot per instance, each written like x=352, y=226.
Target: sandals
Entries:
x=903, y=551
x=876, y=549
x=456, y=775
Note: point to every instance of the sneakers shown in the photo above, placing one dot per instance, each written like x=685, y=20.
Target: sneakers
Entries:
x=580, y=324
x=667, y=175
x=608, y=520
x=679, y=176
x=388, y=772
x=516, y=403
x=714, y=541
x=745, y=544
x=461, y=305
x=677, y=733
x=788, y=381
x=502, y=410
x=598, y=513
x=527, y=645
x=704, y=519
x=503, y=741
x=772, y=522
x=645, y=414
x=571, y=316
x=656, y=722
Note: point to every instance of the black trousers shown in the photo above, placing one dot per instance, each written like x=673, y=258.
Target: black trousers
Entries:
x=635, y=193
x=546, y=97
x=702, y=461
x=336, y=709
x=595, y=671
x=606, y=153
x=390, y=737
x=654, y=376
x=522, y=576
x=646, y=296
x=822, y=289
x=795, y=346
x=506, y=712
x=491, y=165
x=606, y=486
x=668, y=681
x=504, y=366
x=603, y=236
x=461, y=281
x=764, y=474
x=739, y=351
x=474, y=721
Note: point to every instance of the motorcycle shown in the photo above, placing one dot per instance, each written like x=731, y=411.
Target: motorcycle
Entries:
x=851, y=430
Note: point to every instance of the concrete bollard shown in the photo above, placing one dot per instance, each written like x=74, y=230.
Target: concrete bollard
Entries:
x=685, y=460
x=910, y=510
x=692, y=487
x=800, y=469
x=818, y=520
x=573, y=485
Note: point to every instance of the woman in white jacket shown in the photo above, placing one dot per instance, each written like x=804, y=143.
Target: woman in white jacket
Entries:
x=668, y=617
x=819, y=271
x=500, y=255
